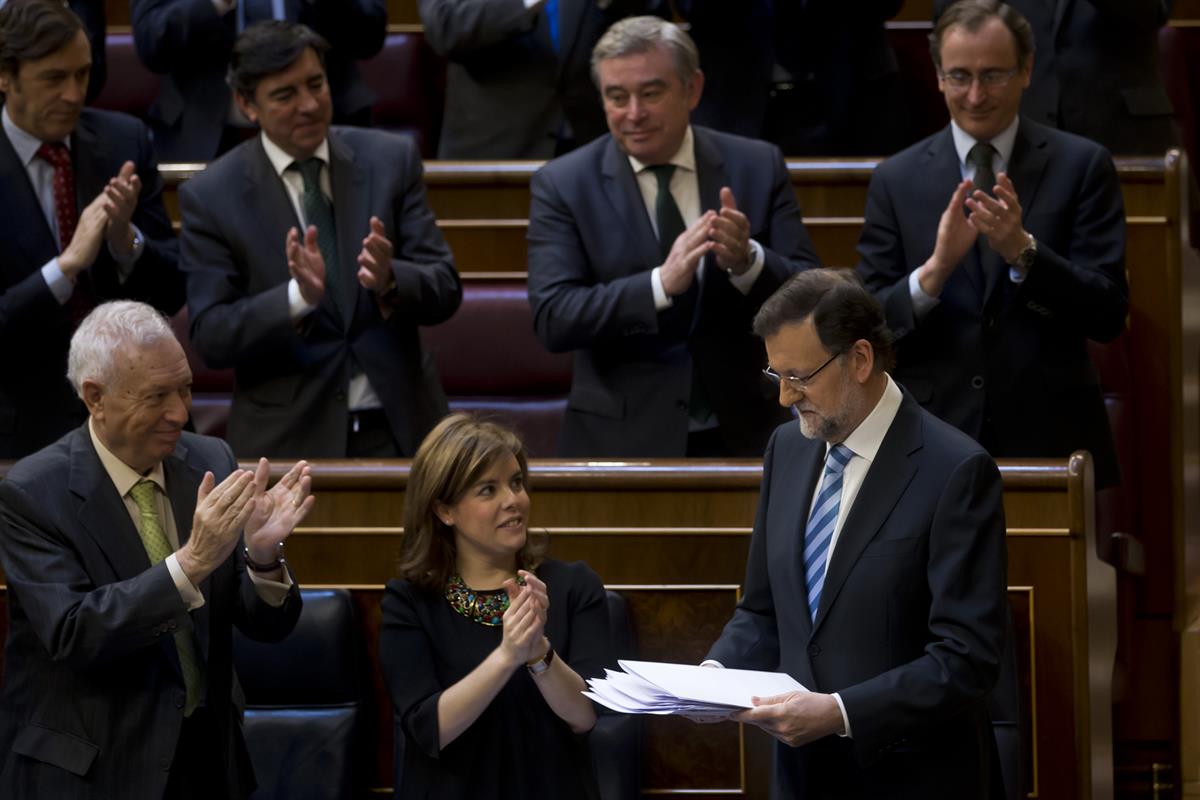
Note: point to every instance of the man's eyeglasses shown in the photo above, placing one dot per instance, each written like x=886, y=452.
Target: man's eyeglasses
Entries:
x=796, y=382
x=988, y=79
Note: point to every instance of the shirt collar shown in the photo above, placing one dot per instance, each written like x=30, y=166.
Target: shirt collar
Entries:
x=864, y=441
x=684, y=157
x=1003, y=142
x=280, y=160
x=123, y=476
x=25, y=143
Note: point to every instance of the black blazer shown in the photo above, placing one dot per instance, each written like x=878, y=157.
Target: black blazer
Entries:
x=591, y=250
x=37, y=405
x=189, y=44
x=291, y=380
x=911, y=620
x=1007, y=363
x=93, y=694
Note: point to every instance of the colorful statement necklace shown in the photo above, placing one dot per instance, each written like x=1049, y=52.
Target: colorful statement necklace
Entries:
x=484, y=607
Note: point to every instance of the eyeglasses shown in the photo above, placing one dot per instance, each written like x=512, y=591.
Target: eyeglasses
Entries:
x=962, y=79
x=796, y=382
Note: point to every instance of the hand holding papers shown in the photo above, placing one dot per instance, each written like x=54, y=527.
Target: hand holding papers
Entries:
x=649, y=687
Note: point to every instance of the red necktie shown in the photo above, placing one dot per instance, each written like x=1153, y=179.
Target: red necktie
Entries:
x=65, y=213
x=57, y=155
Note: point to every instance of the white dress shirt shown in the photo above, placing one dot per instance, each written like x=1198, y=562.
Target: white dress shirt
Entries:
x=361, y=395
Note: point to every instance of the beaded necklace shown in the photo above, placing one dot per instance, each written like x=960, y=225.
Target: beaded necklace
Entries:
x=485, y=607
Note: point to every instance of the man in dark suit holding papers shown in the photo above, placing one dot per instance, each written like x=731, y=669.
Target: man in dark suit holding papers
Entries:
x=876, y=575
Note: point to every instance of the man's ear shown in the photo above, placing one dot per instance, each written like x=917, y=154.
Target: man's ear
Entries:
x=93, y=397
x=863, y=360
x=247, y=107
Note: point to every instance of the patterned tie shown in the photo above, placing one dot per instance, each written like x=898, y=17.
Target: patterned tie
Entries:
x=666, y=212
x=66, y=214
x=154, y=539
x=319, y=211
x=821, y=524
x=981, y=156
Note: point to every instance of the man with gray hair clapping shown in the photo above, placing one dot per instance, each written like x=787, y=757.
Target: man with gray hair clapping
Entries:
x=130, y=548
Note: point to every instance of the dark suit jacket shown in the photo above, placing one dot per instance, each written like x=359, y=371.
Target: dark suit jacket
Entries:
x=91, y=13
x=37, y=405
x=1096, y=72
x=507, y=90
x=1005, y=362
x=291, y=379
x=591, y=250
x=189, y=43
x=93, y=693
x=911, y=619
x=845, y=77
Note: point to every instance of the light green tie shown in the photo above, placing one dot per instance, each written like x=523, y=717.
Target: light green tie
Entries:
x=154, y=539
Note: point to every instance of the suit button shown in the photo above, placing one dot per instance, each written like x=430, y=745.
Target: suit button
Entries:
x=681, y=404
x=339, y=395
x=171, y=626
x=164, y=764
x=977, y=382
x=180, y=698
x=814, y=650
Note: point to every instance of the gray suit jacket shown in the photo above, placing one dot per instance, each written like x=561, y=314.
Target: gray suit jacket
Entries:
x=291, y=379
x=93, y=694
x=912, y=613
x=591, y=250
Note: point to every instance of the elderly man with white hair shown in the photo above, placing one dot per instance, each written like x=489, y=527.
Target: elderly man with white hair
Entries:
x=131, y=547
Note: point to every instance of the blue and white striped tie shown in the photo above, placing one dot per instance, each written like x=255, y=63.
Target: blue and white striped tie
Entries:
x=821, y=524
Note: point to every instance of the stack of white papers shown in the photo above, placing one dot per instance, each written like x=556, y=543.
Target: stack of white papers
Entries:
x=651, y=687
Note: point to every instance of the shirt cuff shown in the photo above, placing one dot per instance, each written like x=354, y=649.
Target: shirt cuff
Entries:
x=709, y=662
x=59, y=284
x=845, y=719
x=298, y=307
x=125, y=262
x=187, y=591
x=273, y=593
x=224, y=6
x=745, y=282
x=661, y=301
x=529, y=4
x=922, y=303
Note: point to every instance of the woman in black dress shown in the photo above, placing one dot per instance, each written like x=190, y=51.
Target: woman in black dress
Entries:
x=483, y=641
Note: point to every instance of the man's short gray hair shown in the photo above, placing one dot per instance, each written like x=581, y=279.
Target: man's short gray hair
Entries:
x=634, y=35
x=105, y=331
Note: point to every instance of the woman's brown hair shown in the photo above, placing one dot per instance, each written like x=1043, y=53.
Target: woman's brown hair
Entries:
x=453, y=457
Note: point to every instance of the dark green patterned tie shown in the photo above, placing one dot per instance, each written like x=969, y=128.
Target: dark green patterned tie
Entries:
x=318, y=211
x=666, y=212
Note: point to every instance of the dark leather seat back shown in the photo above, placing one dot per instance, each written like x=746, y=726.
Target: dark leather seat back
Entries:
x=130, y=87
x=491, y=363
x=305, y=703
x=408, y=80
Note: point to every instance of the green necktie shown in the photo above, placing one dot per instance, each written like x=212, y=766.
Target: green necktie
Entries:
x=666, y=212
x=318, y=211
x=981, y=156
x=154, y=539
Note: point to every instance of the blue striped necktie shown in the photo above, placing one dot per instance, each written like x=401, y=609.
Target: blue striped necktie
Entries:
x=821, y=524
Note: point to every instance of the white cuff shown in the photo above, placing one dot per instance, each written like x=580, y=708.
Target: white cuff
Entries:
x=298, y=307
x=745, y=282
x=708, y=662
x=661, y=301
x=224, y=6
x=187, y=591
x=59, y=284
x=273, y=593
x=921, y=302
x=845, y=719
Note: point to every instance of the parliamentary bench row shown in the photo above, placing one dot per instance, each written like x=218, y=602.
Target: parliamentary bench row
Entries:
x=672, y=538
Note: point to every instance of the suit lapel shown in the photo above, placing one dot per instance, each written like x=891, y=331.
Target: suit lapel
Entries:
x=885, y=483
x=90, y=156
x=23, y=215
x=183, y=481
x=806, y=466
x=570, y=21
x=1060, y=13
x=1030, y=156
x=351, y=193
x=102, y=513
x=621, y=189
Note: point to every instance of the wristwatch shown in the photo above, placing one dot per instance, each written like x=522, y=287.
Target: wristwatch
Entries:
x=254, y=566
x=1028, y=254
x=542, y=664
